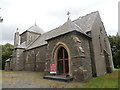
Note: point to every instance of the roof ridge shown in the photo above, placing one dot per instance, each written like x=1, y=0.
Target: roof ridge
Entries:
x=66, y=27
x=54, y=29
x=60, y=26
x=86, y=15
x=86, y=22
x=35, y=28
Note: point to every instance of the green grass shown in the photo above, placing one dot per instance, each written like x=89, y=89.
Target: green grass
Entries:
x=105, y=81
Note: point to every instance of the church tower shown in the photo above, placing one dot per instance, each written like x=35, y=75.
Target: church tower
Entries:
x=16, y=38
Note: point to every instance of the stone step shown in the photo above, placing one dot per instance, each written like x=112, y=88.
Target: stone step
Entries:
x=59, y=77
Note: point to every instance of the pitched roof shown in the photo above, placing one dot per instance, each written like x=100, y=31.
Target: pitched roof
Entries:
x=38, y=42
x=35, y=29
x=86, y=22
x=65, y=28
x=81, y=25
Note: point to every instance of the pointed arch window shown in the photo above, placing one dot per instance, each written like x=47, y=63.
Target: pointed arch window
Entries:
x=62, y=61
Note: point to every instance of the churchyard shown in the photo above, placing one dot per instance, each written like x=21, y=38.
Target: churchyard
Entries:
x=28, y=79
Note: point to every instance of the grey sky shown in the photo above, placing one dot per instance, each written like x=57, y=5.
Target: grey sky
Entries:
x=119, y=18
x=49, y=14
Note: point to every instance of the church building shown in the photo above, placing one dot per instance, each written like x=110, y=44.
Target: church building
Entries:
x=78, y=48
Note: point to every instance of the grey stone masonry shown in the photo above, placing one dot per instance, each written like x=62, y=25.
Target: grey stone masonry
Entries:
x=80, y=61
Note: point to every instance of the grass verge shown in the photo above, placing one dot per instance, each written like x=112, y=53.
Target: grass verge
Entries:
x=105, y=81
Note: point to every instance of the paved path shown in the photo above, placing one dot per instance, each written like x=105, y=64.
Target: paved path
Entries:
x=25, y=79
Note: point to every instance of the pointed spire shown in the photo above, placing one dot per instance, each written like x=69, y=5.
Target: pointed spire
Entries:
x=68, y=13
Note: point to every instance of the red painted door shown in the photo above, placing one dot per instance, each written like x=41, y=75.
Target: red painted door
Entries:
x=62, y=62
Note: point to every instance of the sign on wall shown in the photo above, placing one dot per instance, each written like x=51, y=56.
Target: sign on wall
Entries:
x=53, y=68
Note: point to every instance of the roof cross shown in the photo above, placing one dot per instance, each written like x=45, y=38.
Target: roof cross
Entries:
x=68, y=13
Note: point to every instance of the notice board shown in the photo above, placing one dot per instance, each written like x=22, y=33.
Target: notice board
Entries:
x=52, y=68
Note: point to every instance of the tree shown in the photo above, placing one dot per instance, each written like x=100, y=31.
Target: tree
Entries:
x=6, y=53
x=115, y=46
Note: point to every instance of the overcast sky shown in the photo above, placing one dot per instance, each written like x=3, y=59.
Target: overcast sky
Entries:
x=49, y=14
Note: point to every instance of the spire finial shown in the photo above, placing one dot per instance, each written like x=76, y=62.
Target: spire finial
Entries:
x=17, y=30
x=35, y=22
x=68, y=13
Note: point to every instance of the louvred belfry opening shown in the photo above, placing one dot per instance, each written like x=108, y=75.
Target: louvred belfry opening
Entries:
x=62, y=61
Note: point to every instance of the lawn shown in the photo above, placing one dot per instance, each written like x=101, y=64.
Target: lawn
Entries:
x=105, y=81
x=26, y=79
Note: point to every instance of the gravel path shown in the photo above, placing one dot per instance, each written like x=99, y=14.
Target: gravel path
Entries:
x=25, y=79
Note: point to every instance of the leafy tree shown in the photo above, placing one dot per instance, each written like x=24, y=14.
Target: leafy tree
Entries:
x=6, y=53
x=115, y=46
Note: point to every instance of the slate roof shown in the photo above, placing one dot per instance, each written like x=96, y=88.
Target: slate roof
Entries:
x=35, y=29
x=38, y=42
x=65, y=28
x=81, y=25
x=23, y=45
x=86, y=22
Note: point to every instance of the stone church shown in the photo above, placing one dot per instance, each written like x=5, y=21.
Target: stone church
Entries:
x=78, y=48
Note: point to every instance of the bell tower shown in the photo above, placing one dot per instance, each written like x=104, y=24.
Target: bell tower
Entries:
x=16, y=38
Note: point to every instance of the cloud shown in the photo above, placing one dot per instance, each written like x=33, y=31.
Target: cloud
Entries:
x=49, y=14
x=119, y=18
x=7, y=33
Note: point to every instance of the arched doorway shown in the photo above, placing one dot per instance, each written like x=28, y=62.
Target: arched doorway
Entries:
x=62, y=61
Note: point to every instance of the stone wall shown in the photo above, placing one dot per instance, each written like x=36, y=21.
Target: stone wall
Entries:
x=30, y=60
x=23, y=37
x=28, y=37
x=85, y=55
x=35, y=59
x=19, y=59
x=80, y=60
x=100, y=44
x=31, y=36
x=40, y=58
